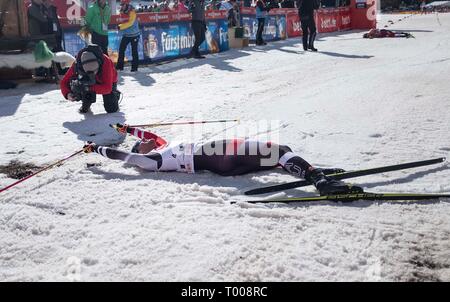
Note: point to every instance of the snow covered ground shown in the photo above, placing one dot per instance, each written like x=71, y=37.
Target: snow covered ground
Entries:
x=357, y=103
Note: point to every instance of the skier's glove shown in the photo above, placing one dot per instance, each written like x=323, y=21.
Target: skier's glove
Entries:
x=121, y=128
x=89, y=147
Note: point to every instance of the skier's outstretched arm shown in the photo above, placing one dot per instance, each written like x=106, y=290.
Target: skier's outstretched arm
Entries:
x=150, y=162
x=142, y=134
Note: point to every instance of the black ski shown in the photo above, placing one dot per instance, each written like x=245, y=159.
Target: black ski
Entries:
x=345, y=175
x=358, y=196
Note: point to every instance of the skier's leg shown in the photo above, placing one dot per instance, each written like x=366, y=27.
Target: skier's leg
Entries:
x=237, y=157
x=241, y=157
x=257, y=156
x=212, y=156
x=297, y=166
x=228, y=158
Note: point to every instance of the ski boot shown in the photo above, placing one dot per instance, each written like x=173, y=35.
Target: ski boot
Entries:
x=328, y=171
x=329, y=186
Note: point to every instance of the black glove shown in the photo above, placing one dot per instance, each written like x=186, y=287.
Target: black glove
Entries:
x=121, y=128
x=89, y=147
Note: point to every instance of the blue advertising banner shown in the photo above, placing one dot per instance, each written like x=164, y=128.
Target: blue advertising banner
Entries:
x=160, y=41
x=274, y=27
x=186, y=38
x=212, y=36
x=280, y=21
x=73, y=43
x=167, y=41
x=170, y=40
x=270, y=29
x=223, y=35
x=114, y=38
x=250, y=25
x=152, y=48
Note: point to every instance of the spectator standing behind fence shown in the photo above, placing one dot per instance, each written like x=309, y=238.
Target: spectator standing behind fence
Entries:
x=180, y=7
x=247, y=3
x=130, y=34
x=97, y=19
x=234, y=15
x=53, y=24
x=197, y=8
x=287, y=4
x=54, y=28
x=306, y=13
x=38, y=25
x=37, y=21
x=422, y=7
x=213, y=5
x=261, y=13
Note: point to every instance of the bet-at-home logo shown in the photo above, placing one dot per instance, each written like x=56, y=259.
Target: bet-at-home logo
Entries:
x=346, y=20
x=328, y=23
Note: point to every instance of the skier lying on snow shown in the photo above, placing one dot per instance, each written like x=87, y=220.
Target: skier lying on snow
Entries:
x=384, y=33
x=224, y=157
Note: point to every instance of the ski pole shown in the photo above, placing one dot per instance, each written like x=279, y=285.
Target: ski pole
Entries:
x=41, y=170
x=184, y=123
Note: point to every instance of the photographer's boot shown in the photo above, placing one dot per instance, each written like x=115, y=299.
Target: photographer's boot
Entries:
x=305, y=41
x=85, y=107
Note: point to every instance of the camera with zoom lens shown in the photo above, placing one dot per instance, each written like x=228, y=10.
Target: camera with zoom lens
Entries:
x=80, y=87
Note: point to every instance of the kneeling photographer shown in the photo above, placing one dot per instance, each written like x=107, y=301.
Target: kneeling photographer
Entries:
x=93, y=73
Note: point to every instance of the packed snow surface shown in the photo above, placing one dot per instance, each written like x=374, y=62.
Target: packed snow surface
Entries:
x=357, y=103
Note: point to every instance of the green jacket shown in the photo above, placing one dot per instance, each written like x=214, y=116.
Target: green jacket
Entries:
x=96, y=18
